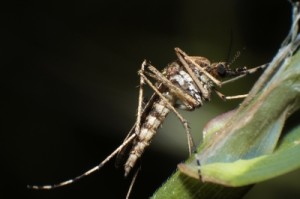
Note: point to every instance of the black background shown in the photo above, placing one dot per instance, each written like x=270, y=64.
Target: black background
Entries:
x=69, y=85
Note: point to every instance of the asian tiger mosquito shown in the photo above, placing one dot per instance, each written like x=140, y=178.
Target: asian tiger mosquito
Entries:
x=190, y=81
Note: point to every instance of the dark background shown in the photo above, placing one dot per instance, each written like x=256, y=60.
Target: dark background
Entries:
x=69, y=86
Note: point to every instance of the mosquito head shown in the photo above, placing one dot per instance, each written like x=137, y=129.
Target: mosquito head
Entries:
x=222, y=70
x=219, y=70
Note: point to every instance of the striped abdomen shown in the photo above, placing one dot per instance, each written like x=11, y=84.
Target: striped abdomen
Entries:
x=149, y=128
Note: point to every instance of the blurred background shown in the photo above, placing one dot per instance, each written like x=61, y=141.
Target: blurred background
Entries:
x=70, y=86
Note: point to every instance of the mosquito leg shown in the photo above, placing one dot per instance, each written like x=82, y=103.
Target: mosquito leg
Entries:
x=236, y=97
x=245, y=73
x=92, y=170
x=191, y=145
x=140, y=103
x=224, y=97
x=198, y=162
x=132, y=182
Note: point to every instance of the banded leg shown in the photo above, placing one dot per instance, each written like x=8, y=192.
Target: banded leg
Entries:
x=87, y=173
x=244, y=73
x=224, y=97
x=140, y=102
x=127, y=140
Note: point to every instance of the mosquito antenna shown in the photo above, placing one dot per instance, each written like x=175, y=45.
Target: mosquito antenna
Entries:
x=237, y=54
x=235, y=57
x=90, y=171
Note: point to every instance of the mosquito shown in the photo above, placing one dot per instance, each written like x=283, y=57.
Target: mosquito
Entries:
x=187, y=84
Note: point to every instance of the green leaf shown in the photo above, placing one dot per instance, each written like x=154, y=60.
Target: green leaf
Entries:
x=244, y=172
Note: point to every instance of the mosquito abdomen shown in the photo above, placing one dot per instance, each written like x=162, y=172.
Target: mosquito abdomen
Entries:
x=149, y=128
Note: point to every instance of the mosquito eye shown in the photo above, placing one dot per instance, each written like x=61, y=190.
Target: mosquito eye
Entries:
x=221, y=70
